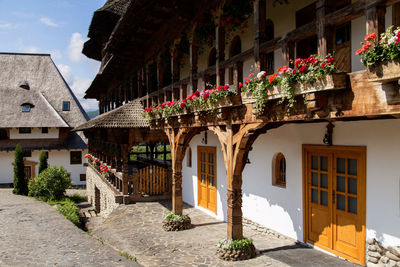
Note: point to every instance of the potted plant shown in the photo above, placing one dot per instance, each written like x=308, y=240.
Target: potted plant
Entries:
x=382, y=57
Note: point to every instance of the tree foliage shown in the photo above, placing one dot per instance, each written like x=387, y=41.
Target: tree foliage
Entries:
x=20, y=186
x=42, y=161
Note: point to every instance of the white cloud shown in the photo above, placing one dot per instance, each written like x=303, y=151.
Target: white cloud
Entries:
x=7, y=26
x=55, y=54
x=48, y=21
x=79, y=85
x=75, y=47
x=31, y=49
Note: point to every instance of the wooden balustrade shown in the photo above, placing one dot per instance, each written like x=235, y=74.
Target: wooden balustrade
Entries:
x=153, y=180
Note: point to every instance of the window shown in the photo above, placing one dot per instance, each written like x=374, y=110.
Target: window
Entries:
x=47, y=154
x=189, y=157
x=76, y=157
x=26, y=108
x=24, y=130
x=66, y=106
x=82, y=177
x=27, y=153
x=3, y=134
x=279, y=170
x=45, y=130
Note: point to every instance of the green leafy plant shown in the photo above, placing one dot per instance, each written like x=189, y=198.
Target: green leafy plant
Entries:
x=174, y=217
x=42, y=161
x=126, y=255
x=237, y=244
x=375, y=51
x=69, y=209
x=50, y=184
x=20, y=186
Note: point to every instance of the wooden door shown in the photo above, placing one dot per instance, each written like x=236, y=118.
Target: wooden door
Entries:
x=207, y=178
x=335, y=200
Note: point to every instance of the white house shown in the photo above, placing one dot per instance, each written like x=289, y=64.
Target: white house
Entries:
x=38, y=111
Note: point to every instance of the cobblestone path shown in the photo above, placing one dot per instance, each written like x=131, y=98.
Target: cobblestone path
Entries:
x=33, y=233
x=137, y=229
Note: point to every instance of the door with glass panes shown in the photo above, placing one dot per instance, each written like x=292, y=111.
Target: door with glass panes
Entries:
x=334, y=197
x=207, y=178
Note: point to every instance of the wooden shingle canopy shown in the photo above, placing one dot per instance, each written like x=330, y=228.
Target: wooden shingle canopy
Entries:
x=126, y=116
x=103, y=22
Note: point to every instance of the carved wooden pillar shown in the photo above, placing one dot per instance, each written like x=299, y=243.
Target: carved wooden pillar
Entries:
x=287, y=51
x=178, y=141
x=125, y=168
x=146, y=70
x=237, y=75
x=375, y=15
x=182, y=91
x=220, y=49
x=193, y=61
x=259, y=11
x=236, y=143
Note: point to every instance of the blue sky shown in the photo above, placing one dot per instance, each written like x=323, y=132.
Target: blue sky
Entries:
x=57, y=27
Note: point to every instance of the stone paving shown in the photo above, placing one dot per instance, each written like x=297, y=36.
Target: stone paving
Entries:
x=33, y=233
x=137, y=229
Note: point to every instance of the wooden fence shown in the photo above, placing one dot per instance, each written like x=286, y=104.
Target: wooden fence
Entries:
x=151, y=181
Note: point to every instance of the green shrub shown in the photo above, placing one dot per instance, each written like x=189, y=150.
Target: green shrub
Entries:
x=78, y=198
x=237, y=244
x=50, y=184
x=174, y=217
x=19, y=175
x=69, y=209
x=42, y=161
x=126, y=255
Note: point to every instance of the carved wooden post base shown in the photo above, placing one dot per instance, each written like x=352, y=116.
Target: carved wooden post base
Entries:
x=235, y=227
x=177, y=193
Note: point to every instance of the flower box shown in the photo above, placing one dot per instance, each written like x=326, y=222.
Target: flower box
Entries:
x=229, y=101
x=328, y=82
x=384, y=72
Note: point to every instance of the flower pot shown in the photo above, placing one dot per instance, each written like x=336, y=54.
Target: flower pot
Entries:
x=232, y=100
x=247, y=98
x=384, y=72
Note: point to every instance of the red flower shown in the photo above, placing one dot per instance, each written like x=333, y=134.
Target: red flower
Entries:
x=205, y=96
x=331, y=59
x=236, y=20
x=223, y=23
x=220, y=88
x=323, y=64
x=226, y=87
x=302, y=69
x=246, y=82
x=272, y=77
x=228, y=19
x=184, y=100
x=282, y=69
x=240, y=85
x=246, y=78
x=183, y=105
x=370, y=36
x=251, y=75
x=294, y=71
x=162, y=105
x=197, y=93
x=169, y=103
x=366, y=46
x=298, y=61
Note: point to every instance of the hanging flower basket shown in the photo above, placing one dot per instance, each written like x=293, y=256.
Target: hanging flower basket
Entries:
x=387, y=71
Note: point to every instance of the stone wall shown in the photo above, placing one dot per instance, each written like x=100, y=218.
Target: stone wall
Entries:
x=107, y=196
x=263, y=230
x=381, y=256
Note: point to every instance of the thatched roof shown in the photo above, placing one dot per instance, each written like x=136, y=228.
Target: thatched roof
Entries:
x=73, y=141
x=103, y=22
x=129, y=115
x=34, y=79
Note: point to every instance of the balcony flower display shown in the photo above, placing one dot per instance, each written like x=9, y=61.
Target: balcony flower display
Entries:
x=307, y=72
x=381, y=55
x=89, y=158
x=204, y=100
x=105, y=170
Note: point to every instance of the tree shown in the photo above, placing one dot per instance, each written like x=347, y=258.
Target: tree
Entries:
x=42, y=161
x=20, y=186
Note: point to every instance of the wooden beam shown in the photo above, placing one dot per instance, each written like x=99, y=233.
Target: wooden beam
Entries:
x=375, y=15
x=259, y=11
x=220, y=47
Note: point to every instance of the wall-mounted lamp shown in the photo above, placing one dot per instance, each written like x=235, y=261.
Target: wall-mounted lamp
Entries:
x=204, y=139
x=329, y=134
x=248, y=161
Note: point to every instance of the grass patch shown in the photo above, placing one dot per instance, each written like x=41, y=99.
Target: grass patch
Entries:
x=174, y=217
x=230, y=244
x=78, y=198
x=126, y=255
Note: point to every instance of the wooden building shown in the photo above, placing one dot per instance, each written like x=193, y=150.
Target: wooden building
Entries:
x=325, y=173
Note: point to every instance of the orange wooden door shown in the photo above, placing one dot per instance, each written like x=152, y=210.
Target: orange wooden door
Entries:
x=207, y=178
x=335, y=200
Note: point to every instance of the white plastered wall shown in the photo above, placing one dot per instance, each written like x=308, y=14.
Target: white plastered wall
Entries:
x=36, y=133
x=56, y=158
x=281, y=209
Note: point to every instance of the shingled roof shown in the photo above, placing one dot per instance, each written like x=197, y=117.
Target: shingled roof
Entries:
x=129, y=115
x=103, y=22
x=34, y=79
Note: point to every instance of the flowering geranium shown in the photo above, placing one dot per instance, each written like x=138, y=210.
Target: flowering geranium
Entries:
x=203, y=99
x=375, y=51
x=306, y=70
x=105, y=170
x=89, y=158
